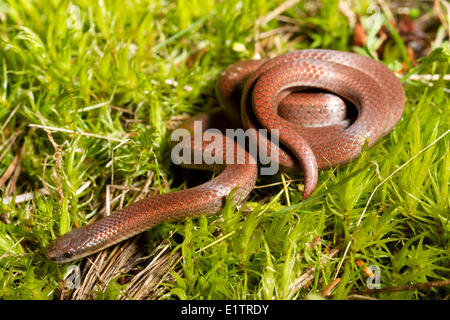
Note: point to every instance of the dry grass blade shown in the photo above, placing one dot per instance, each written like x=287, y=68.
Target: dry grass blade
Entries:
x=9, y=171
x=147, y=284
x=266, y=18
x=330, y=287
x=106, y=266
x=25, y=196
x=11, y=115
x=57, y=156
x=441, y=15
x=12, y=184
x=49, y=129
x=277, y=11
x=9, y=143
x=307, y=277
x=126, y=259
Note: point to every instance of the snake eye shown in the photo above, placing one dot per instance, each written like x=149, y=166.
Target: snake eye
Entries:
x=68, y=254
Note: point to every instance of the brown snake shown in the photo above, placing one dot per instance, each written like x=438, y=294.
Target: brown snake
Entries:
x=303, y=97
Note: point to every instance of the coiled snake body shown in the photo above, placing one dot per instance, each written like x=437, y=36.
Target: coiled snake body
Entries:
x=303, y=96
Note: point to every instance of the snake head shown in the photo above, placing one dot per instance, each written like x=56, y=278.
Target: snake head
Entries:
x=59, y=251
x=67, y=247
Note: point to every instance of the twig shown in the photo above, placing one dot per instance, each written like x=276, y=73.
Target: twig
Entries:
x=12, y=183
x=278, y=30
x=266, y=18
x=122, y=110
x=10, y=116
x=330, y=287
x=9, y=143
x=276, y=12
x=409, y=287
x=57, y=157
x=9, y=171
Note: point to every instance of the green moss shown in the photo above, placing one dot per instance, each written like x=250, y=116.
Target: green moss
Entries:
x=101, y=70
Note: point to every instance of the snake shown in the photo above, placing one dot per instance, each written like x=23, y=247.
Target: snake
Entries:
x=322, y=105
